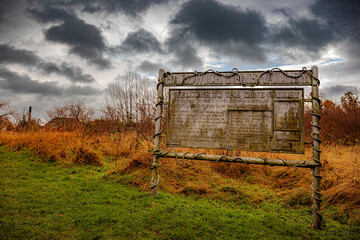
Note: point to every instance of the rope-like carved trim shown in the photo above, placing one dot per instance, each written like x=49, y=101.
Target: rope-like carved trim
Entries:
x=284, y=161
x=154, y=179
x=235, y=72
x=266, y=161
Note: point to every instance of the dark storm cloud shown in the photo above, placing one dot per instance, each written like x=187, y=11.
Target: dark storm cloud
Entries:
x=303, y=33
x=336, y=91
x=84, y=91
x=49, y=14
x=128, y=7
x=49, y=67
x=227, y=29
x=343, y=16
x=9, y=54
x=185, y=53
x=4, y=6
x=181, y=45
x=73, y=73
x=24, y=84
x=149, y=67
x=141, y=41
x=85, y=40
x=7, y=6
x=344, y=19
x=212, y=21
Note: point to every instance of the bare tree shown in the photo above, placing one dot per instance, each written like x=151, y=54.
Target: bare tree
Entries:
x=7, y=113
x=5, y=108
x=73, y=109
x=21, y=117
x=131, y=101
x=21, y=120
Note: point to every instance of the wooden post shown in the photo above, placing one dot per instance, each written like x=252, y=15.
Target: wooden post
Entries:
x=157, y=135
x=29, y=119
x=316, y=185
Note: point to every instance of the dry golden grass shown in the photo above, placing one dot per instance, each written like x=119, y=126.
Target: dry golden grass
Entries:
x=126, y=153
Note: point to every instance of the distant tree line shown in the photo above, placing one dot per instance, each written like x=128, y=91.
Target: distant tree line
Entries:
x=129, y=104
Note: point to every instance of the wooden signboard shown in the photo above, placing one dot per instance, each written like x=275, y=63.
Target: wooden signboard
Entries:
x=237, y=119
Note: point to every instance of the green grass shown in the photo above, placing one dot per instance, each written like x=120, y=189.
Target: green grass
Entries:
x=48, y=201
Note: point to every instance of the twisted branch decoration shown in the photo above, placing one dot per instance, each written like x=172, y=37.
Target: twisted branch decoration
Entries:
x=304, y=70
x=304, y=163
x=235, y=72
x=284, y=161
x=160, y=102
x=160, y=153
x=266, y=161
x=183, y=159
x=154, y=179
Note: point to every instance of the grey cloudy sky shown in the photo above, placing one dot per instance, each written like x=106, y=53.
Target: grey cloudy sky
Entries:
x=55, y=50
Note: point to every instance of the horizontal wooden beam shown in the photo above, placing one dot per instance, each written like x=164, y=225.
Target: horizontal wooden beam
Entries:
x=246, y=160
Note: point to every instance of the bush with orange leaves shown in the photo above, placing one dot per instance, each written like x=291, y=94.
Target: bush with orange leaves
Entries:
x=340, y=123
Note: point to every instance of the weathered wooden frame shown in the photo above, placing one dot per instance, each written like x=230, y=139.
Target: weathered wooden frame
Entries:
x=254, y=78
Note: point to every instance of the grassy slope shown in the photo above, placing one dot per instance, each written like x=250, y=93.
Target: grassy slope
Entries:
x=47, y=201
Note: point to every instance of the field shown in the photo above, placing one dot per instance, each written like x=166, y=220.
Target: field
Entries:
x=50, y=201
x=126, y=158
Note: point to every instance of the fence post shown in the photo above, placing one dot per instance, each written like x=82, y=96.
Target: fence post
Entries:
x=316, y=185
x=157, y=135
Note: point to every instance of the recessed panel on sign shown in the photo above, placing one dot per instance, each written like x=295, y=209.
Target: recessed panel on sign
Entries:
x=237, y=119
